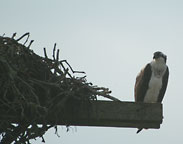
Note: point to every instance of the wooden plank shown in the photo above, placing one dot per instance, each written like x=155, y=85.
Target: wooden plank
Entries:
x=107, y=114
x=117, y=114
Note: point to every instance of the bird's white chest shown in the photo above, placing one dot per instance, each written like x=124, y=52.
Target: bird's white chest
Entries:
x=152, y=93
x=155, y=83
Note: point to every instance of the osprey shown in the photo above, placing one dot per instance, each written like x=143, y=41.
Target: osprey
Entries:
x=151, y=82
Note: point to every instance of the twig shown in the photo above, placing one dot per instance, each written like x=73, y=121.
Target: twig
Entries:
x=71, y=67
x=45, y=54
x=30, y=44
x=56, y=61
x=54, y=48
x=65, y=70
x=23, y=36
x=26, y=39
x=13, y=36
x=110, y=97
x=57, y=55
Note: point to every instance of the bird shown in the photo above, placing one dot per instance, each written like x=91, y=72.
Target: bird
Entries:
x=151, y=82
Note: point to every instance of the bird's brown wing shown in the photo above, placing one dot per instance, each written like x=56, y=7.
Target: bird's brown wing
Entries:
x=164, y=85
x=142, y=83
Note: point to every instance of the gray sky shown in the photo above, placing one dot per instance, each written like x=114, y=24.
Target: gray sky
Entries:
x=111, y=40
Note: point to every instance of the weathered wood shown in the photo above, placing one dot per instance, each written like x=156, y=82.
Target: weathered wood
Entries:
x=111, y=114
x=120, y=114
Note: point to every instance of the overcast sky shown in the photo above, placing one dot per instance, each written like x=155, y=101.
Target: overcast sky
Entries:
x=111, y=40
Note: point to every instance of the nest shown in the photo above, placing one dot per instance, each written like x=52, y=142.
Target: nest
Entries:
x=31, y=85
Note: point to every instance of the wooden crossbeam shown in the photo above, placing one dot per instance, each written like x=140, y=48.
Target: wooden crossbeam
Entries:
x=120, y=114
x=112, y=114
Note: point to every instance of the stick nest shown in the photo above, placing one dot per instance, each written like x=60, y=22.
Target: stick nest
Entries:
x=33, y=87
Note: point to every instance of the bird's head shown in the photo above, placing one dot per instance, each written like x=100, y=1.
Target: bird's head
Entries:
x=159, y=55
